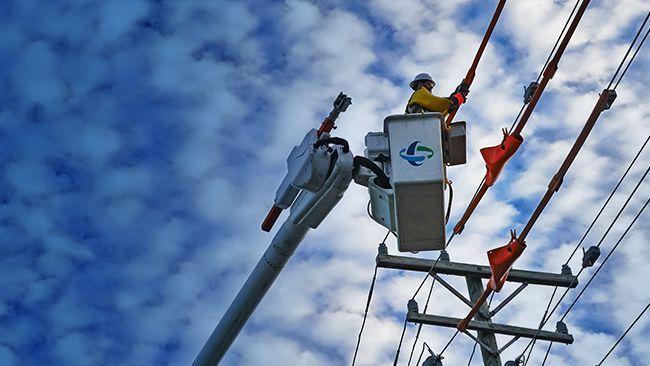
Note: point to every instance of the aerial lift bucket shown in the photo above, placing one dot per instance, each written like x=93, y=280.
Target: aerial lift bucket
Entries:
x=417, y=173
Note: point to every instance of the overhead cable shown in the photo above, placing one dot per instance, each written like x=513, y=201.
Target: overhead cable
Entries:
x=601, y=266
x=591, y=225
x=365, y=312
x=624, y=334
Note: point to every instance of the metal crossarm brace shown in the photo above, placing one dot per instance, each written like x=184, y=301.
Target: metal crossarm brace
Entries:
x=475, y=271
x=510, y=342
x=450, y=322
x=485, y=346
x=509, y=298
x=452, y=290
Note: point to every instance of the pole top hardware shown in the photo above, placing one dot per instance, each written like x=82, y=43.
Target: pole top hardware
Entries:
x=529, y=91
x=590, y=256
x=611, y=97
x=412, y=305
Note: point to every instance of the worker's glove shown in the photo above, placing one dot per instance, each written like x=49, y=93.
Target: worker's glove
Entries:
x=456, y=100
x=463, y=89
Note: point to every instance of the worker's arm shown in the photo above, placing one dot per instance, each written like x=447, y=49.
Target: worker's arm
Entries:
x=425, y=99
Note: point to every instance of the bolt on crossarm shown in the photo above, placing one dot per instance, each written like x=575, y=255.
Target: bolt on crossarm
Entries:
x=496, y=157
x=502, y=258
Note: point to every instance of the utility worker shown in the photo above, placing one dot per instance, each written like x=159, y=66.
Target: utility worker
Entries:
x=422, y=100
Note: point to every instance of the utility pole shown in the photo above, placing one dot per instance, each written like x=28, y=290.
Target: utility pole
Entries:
x=475, y=288
x=482, y=320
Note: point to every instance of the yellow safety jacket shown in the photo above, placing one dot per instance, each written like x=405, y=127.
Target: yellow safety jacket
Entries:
x=422, y=99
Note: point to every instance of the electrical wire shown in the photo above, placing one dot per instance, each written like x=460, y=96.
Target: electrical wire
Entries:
x=633, y=56
x=618, y=184
x=628, y=169
x=628, y=52
x=433, y=267
x=582, y=269
x=548, y=59
x=365, y=313
x=604, y=261
x=584, y=236
x=448, y=343
x=422, y=352
x=417, y=334
x=401, y=338
x=601, y=266
x=624, y=334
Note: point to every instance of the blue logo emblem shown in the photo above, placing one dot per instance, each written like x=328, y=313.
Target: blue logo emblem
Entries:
x=415, y=154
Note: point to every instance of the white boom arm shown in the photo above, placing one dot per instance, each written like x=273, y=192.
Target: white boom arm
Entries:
x=322, y=188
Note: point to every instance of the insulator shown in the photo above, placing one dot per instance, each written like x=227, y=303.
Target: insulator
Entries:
x=561, y=327
x=383, y=249
x=412, y=306
x=444, y=256
x=529, y=91
x=590, y=256
x=611, y=97
x=566, y=270
x=516, y=362
x=432, y=361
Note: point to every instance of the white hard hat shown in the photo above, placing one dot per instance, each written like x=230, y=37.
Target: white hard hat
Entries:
x=421, y=77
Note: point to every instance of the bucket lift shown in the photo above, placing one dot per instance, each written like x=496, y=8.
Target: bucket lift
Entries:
x=414, y=150
x=405, y=172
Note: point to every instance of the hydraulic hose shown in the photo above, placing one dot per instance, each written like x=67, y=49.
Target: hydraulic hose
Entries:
x=381, y=178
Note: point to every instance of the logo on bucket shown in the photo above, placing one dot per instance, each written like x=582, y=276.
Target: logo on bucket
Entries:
x=415, y=154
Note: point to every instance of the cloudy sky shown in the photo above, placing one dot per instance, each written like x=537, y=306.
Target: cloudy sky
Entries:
x=142, y=142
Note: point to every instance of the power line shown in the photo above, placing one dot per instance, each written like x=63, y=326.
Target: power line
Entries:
x=544, y=319
x=618, y=184
x=365, y=313
x=624, y=334
x=583, y=268
x=604, y=261
x=417, y=334
x=550, y=55
x=633, y=56
x=628, y=52
x=599, y=268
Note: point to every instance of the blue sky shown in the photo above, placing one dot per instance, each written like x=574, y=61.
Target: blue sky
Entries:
x=142, y=142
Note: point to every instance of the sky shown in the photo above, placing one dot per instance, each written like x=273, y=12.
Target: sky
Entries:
x=141, y=144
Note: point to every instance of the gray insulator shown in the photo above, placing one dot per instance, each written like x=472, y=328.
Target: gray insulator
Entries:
x=611, y=97
x=515, y=362
x=529, y=91
x=561, y=327
x=432, y=361
x=444, y=256
x=590, y=256
x=566, y=270
x=383, y=249
x=412, y=306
